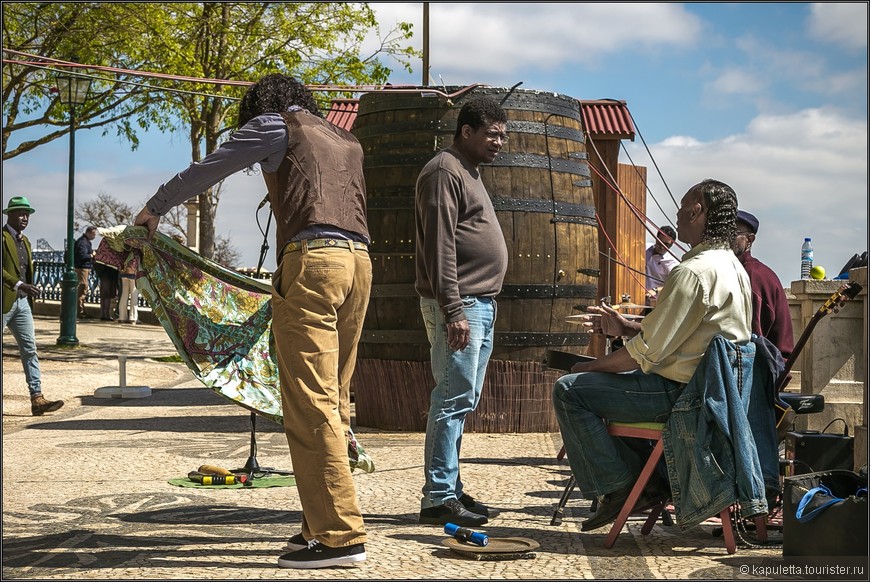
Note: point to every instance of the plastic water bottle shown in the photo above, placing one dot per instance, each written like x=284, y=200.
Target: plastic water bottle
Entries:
x=806, y=258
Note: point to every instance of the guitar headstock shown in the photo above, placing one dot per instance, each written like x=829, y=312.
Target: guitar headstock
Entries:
x=846, y=292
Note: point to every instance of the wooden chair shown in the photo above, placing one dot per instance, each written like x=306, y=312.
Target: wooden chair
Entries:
x=572, y=483
x=653, y=431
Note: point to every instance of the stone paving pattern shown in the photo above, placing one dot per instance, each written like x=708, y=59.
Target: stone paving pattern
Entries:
x=85, y=492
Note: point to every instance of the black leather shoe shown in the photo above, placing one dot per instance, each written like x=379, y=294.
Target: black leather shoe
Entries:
x=609, y=506
x=451, y=512
x=608, y=509
x=474, y=506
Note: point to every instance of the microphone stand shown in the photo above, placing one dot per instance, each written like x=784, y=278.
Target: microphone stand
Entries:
x=252, y=468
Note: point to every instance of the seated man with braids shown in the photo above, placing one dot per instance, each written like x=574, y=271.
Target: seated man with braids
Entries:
x=706, y=295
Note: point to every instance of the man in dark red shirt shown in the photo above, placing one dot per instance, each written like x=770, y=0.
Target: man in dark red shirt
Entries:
x=770, y=316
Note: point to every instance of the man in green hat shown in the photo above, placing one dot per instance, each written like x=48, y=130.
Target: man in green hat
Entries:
x=18, y=294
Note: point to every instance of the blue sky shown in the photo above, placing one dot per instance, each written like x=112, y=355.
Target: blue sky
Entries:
x=768, y=97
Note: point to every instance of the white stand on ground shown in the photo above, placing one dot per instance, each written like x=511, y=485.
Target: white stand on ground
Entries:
x=122, y=390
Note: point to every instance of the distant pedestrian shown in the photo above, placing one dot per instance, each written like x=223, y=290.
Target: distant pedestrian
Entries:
x=109, y=284
x=83, y=261
x=659, y=263
x=18, y=294
x=129, y=295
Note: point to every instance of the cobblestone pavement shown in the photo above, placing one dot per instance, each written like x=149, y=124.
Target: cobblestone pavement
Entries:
x=86, y=492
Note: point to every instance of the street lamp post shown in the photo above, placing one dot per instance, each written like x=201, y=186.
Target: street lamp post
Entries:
x=72, y=91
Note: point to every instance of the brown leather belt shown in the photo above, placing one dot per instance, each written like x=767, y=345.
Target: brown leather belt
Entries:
x=318, y=243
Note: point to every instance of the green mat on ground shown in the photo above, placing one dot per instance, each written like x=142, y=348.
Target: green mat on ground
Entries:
x=267, y=481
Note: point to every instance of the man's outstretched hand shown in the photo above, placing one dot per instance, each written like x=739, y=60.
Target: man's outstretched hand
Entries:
x=148, y=220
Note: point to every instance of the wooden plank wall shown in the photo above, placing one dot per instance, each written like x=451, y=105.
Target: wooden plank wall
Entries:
x=619, y=224
x=631, y=234
x=603, y=161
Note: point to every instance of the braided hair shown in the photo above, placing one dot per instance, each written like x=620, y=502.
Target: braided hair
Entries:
x=720, y=202
x=275, y=93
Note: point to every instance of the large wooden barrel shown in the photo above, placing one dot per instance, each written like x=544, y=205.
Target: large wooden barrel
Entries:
x=541, y=188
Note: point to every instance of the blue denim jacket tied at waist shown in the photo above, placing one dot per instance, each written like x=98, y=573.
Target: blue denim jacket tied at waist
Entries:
x=709, y=448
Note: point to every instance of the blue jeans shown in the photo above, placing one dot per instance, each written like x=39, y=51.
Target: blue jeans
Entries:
x=19, y=320
x=458, y=384
x=601, y=463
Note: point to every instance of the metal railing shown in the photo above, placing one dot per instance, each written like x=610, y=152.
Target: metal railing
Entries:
x=50, y=267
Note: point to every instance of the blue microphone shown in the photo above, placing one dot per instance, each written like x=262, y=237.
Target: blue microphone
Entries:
x=464, y=534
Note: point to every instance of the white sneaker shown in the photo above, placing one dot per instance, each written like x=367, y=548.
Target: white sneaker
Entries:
x=316, y=555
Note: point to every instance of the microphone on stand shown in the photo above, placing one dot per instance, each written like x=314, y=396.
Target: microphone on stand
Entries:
x=263, y=202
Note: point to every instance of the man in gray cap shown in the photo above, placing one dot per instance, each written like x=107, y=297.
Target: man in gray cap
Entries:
x=18, y=294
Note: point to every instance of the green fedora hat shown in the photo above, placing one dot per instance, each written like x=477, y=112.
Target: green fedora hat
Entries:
x=19, y=203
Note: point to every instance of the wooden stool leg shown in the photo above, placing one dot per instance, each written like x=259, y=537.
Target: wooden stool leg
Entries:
x=761, y=528
x=651, y=520
x=638, y=488
x=728, y=531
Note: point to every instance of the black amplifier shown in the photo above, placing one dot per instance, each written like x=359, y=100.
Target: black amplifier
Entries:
x=810, y=451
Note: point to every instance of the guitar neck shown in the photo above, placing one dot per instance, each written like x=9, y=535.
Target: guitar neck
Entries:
x=843, y=294
x=799, y=345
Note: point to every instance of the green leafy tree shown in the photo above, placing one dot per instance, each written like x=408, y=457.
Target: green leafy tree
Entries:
x=317, y=42
x=88, y=32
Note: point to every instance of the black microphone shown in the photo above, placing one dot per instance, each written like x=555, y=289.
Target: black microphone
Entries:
x=263, y=202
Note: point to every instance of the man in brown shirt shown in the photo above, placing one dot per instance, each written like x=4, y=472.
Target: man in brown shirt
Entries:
x=320, y=292
x=461, y=262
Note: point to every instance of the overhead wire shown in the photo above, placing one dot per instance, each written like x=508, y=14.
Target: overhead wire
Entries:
x=646, y=185
x=613, y=185
x=313, y=87
x=620, y=260
x=121, y=82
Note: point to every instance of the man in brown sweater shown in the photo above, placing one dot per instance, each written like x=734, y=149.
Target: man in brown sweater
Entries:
x=461, y=261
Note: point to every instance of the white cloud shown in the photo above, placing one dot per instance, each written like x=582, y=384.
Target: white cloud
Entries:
x=736, y=81
x=472, y=40
x=681, y=141
x=842, y=24
x=803, y=174
x=806, y=70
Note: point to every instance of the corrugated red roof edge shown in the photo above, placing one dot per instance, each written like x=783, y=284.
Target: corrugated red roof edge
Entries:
x=342, y=112
x=607, y=118
x=601, y=117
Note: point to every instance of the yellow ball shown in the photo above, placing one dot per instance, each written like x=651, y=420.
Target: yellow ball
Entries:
x=817, y=272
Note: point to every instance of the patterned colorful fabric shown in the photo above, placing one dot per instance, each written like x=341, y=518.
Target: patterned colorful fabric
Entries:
x=219, y=321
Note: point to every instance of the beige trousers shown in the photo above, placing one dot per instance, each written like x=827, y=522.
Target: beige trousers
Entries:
x=82, y=288
x=319, y=300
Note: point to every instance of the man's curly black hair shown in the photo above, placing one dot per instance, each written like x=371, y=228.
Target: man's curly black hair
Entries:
x=720, y=202
x=479, y=111
x=275, y=93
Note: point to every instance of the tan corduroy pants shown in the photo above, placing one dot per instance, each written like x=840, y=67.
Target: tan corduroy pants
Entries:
x=319, y=302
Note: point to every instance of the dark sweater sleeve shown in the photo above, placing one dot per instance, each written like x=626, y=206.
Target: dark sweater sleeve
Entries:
x=774, y=316
x=438, y=194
